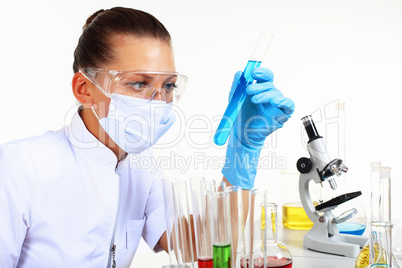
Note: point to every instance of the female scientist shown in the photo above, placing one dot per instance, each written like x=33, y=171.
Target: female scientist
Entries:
x=70, y=198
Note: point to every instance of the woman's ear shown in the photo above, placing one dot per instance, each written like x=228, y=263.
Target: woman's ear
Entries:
x=80, y=86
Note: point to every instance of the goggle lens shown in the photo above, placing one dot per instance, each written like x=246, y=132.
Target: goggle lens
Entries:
x=166, y=86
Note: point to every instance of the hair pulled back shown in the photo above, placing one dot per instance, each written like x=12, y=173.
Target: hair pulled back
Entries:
x=94, y=45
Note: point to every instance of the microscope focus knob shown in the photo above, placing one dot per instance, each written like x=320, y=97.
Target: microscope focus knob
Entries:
x=304, y=165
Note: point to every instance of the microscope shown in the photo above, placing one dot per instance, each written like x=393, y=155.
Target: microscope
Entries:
x=324, y=236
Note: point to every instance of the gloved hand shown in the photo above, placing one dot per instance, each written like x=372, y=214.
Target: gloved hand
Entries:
x=264, y=111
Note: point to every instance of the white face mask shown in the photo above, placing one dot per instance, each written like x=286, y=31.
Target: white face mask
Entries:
x=136, y=124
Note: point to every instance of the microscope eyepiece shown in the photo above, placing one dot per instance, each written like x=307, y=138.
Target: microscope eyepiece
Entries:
x=311, y=130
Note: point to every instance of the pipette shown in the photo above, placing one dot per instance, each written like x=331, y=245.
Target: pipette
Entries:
x=239, y=95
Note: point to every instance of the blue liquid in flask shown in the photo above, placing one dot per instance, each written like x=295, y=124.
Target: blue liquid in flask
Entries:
x=351, y=228
x=235, y=104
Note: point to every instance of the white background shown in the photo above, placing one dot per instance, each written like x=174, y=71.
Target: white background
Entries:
x=322, y=52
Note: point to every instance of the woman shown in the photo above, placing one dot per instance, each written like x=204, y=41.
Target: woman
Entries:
x=70, y=197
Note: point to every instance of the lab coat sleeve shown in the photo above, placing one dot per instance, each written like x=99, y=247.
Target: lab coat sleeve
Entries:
x=16, y=199
x=155, y=224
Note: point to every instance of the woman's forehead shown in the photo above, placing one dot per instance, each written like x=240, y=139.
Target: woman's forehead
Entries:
x=141, y=53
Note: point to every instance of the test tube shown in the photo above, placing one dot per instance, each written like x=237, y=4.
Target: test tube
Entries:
x=239, y=95
x=237, y=224
x=256, y=230
x=179, y=231
x=203, y=225
x=222, y=252
x=201, y=183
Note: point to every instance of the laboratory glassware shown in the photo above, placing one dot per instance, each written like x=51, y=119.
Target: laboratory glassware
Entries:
x=278, y=255
x=236, y=224
x=201, y=183
x=201, y=192
x=221, y=247
x=203, y=224
x=349, y=216
x=294, y=216
x=179, y=230
x=397, y=242
x=381, y=243
x=255, y=230
x=239, y=95
x=380, y=206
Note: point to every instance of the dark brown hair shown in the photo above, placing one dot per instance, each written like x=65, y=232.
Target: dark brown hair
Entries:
x=94, y=46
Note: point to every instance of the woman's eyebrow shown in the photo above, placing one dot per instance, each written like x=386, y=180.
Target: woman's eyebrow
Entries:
x=171, y=77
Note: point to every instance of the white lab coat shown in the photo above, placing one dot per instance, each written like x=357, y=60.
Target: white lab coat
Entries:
x=59, y=199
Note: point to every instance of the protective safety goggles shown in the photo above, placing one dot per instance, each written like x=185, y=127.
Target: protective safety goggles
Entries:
x=149, y=85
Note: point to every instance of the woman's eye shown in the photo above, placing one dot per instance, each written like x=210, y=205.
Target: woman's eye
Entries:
x=137, y=85
x=169, y=86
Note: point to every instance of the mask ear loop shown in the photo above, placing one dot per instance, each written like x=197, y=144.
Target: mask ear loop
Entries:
x=93, y=110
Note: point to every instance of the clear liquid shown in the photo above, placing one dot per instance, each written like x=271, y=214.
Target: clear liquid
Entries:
x=235, y=104
x=294, y=217
x=222, y=256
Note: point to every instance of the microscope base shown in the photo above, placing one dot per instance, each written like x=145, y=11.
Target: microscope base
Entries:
x=318, y=239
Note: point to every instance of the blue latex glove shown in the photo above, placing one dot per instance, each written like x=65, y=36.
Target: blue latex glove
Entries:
x=264, y=111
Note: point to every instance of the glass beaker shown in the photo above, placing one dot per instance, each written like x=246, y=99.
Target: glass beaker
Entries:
x=381, y=243
x=293, y=214
x=380, y=207
x=179, y=231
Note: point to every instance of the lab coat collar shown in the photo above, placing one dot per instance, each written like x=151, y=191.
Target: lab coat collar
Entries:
x=82, y=140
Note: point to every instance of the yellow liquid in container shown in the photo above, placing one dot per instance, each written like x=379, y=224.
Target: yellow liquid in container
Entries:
x=294, y=217
x=362, y=260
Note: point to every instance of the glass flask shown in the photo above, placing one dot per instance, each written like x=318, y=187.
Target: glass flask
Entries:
x=263, y=249
x=381, y=244
x=336, y=144
x=380, y=207
x=278, y=254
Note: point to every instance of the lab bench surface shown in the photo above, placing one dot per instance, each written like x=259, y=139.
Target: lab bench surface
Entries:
x=293, y=239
